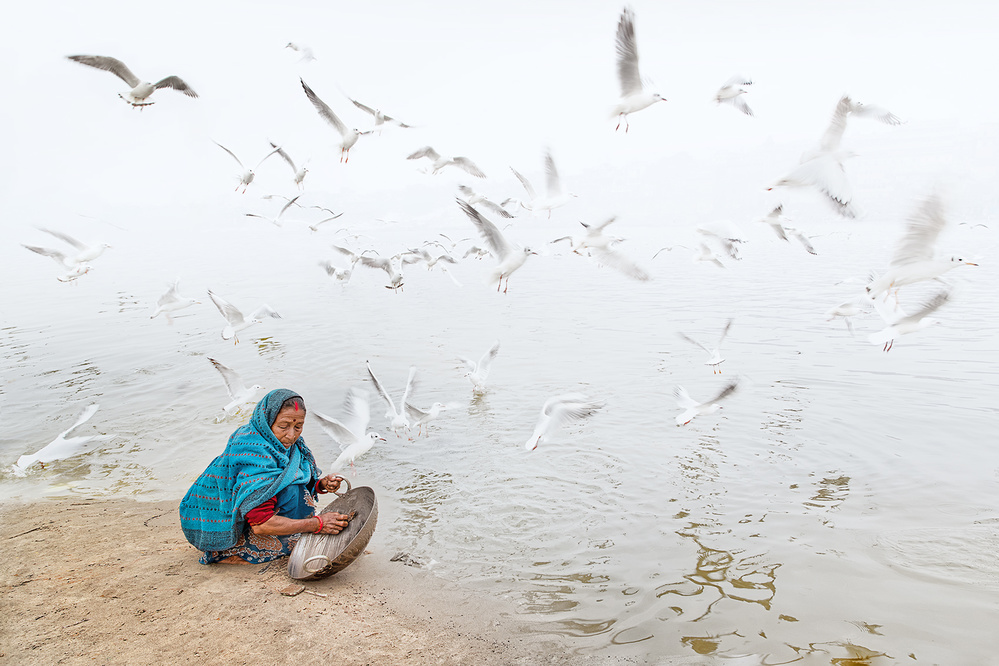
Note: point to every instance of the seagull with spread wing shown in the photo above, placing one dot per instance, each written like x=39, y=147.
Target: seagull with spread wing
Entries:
x=554, y=196
x=560, y=411
x=172, y=301
x=510, y=256
x=714, y=355
x=633, y=95
x=62, y=446
x=239, y=393
x=348, y=137
x=139, y=95
x=380, y=118
x=397, y=417
x=352, y=432
x=438, y=162
x=236, y=322
x=692, y=408
x=247, y=175
x=299, y=172
x=478, y=371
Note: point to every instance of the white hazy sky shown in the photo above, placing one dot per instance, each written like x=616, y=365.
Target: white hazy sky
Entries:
x=494, y=81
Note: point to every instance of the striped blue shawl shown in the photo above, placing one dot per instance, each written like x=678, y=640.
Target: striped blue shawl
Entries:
x=254, y=467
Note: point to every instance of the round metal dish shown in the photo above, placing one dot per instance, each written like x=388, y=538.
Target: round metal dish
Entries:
x=320, y=555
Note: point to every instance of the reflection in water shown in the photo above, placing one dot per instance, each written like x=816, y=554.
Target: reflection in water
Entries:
x=719, y=575
x=270, y=347
x=80, y=376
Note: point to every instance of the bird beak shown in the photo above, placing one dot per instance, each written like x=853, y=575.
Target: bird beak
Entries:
x=970, y=263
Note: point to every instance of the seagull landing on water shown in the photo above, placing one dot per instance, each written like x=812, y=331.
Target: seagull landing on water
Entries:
x=239, y=393
x=900, y=323
x=732, y=92
x=62, y=446
x=478, y=372
x=554, y=196
x=914, y=259
x=236, y=321
x=397, y=417
x=633, y=95
x=172, y=301
x=510, y=256
x=714, y=355
x=247, y=176
x=559, y=411
x=348, y=136
x=438, y=162
x=692, y=408
x=139, y=95
x=352, y=433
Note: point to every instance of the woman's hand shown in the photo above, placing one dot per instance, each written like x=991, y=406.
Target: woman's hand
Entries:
x=333, y=522
x=329, y=483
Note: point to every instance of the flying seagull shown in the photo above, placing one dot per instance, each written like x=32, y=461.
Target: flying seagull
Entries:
x=139, y=95
x=348, y=137
x=633, y=96
x=62, y=446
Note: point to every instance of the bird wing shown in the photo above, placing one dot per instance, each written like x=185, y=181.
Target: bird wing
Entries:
x=740, y=104
x=879, y=113
x=468, y=166
x=228, y=310
x=426, y=151
x=47, y=252
x=233, y=382
x=486, y=361
x=66, y=238
x=724, y=332
x=171, y=295
x=724, y=393
x=357, y=411
x=264, y=311
x=415, y=413
x=496, y=208
x=381, y=391
x=804, y=241
x=87, y=413
x=230, y=152
x=694, y=342
x=627, y=54
x=526, y=183
x=362, y=107
x=265, y=157
x=108, y=64
x=926, y=309
x=738, y=80
x=176, y=83
x=337, y=431
x=553, y=181
x=620, y=263
x=410, y=385
x=837, y=125
x=377, y=262
x=324, y=111
x=288, y=205
x=565, y=409
x=488, y=230
x=285, y=156
x=827, y=174
x=925, y=225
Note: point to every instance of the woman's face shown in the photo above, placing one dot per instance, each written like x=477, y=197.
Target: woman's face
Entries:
x=287, y=427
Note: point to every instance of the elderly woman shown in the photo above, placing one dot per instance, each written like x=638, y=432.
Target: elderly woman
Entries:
x=255, y=500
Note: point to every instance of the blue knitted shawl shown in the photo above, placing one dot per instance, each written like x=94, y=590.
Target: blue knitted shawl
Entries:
x=254, y=467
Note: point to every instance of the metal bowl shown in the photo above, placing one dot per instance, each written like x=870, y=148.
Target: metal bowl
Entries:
x=320, y=555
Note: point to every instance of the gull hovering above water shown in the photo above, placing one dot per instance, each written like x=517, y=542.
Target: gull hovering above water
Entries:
x=478, y=372
x=422, y=417
x=633, y=95
x=239, y=393
x=247, y=175
x=692, y=408
x=559, y=411
x=172, y=301
x=76, y=262
x=235, y=319
x=554, y=196
x=714, y=355
x=915, y=256
x=139, y=95
x=438, y=162
x=510, y=256
x=600, y=245
x=62, y=446
x=348, y=136
x=352, y=433
x=396, y=416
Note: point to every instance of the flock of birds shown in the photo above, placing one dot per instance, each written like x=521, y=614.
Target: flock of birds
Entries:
x=820, y=169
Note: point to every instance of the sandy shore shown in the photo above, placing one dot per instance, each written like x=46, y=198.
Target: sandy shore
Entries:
x=115, y=582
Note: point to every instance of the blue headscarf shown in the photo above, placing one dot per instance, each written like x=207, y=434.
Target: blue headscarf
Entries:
x=254, y=467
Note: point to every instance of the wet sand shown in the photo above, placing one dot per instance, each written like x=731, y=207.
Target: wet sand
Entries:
x=115, y=582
